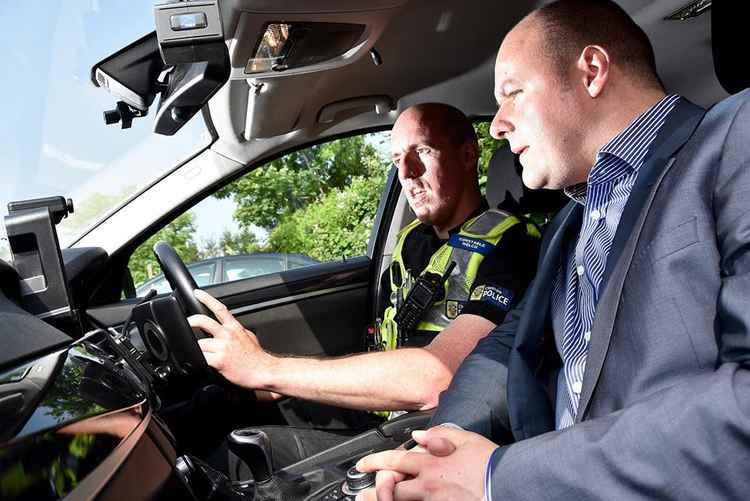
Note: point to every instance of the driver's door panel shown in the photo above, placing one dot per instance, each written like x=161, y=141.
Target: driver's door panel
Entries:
x=317, y=310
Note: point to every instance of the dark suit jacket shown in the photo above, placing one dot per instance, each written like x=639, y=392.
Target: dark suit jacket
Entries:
x=665, y=407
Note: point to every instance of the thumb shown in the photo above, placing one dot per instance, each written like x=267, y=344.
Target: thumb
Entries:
x=442, y=439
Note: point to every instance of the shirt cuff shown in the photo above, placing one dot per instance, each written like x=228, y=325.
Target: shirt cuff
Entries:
x=488, y=476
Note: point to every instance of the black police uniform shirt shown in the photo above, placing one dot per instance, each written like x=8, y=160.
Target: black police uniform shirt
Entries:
x=501, y=279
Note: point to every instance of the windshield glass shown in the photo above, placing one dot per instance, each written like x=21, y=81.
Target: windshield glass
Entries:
x=52, y=131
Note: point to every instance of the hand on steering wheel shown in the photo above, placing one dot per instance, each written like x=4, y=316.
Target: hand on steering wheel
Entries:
x=180, y=279
x=232, y=350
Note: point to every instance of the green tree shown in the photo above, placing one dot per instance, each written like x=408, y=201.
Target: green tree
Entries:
x=487, y=146
x=231, y=244
x=267, y=195
x=336, y=226
x=179, y=234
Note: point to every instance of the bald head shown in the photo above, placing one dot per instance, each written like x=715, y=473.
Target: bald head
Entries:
x=435, y=150
x=565, y=27
x=443, y=119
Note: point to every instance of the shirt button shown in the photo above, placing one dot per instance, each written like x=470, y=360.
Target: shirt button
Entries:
x=579, y=270
x=595, y=214
x=576, y=387
x=587, y=336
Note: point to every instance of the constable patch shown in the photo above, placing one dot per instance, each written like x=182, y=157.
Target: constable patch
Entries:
x=497, y=296
x=453, y=308
x=477, y=245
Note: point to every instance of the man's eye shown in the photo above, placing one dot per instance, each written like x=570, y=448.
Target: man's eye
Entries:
x=423, y=151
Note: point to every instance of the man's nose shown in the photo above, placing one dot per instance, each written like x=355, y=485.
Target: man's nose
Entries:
x=408, y=167
x=500, y=125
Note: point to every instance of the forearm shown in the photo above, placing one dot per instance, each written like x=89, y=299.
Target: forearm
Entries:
x=409, y=378
x=476, y=397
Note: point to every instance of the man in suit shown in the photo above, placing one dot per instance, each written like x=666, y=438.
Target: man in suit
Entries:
x=627, y=360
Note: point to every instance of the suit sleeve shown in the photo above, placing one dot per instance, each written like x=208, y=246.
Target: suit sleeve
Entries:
x=482, y=408
x=690, y=440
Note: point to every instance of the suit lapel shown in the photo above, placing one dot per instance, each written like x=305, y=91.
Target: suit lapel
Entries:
x=528, y=341
x=679, y=126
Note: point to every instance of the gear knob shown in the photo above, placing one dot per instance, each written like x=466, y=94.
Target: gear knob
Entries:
x=357, y=481
x=254, y=448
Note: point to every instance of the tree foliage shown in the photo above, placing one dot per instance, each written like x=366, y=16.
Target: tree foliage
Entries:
x=231, y=244
x=267, y=195
x=487, y=146
x=335, y=226
x=179, y=234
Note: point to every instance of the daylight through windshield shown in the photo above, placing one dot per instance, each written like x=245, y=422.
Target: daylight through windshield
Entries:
x=52, y=131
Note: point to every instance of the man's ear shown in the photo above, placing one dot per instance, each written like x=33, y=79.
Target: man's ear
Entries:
x=593, y=66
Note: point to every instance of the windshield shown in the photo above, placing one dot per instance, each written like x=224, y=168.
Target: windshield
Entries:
x=52, y=132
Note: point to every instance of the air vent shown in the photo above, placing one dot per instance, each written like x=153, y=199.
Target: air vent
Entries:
x=689, y=11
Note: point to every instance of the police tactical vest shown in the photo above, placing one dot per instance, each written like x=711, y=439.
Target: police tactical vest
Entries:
x=467, y=248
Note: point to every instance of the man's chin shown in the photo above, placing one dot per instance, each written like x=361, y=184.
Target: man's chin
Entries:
x=424, y=216
x=533, y=182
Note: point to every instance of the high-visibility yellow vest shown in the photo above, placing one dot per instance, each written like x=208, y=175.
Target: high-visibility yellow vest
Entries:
x=467, y=248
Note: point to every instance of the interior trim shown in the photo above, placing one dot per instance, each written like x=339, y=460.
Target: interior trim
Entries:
x=97, y=480
x=295, y=298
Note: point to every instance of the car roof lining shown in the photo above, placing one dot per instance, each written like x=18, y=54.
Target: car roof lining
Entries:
x=456, y=66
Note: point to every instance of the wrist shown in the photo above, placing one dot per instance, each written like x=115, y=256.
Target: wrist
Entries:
x=259, y=373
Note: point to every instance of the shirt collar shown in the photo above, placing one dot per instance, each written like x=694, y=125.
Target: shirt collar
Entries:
x=627, y=151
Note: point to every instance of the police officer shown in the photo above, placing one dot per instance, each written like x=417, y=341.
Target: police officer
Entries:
x=491, y=254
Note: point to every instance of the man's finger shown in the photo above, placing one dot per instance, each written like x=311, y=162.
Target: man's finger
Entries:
x=452, y=434
x=409, y=490
x=217, y=307
x=212, y=359
x=385, y=482
x=439, y=446
x=209, y=345
x=399, y=461
x=367, y=495
x=207, y=325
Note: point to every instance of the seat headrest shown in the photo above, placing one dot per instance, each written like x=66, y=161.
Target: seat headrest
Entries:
x=728, y=20
x=504, y=179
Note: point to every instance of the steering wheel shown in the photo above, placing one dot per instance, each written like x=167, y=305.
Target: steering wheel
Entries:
x=180, y=279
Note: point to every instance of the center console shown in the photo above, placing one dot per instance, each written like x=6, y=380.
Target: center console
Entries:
x=327, y=476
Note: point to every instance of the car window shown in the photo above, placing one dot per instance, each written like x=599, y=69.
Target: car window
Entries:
x=203, y=274
x=251, y=266
x=311, y=206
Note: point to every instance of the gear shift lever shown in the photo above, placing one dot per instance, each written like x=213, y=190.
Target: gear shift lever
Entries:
x=254, y=448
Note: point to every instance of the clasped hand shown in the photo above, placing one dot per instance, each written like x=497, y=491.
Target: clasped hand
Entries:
x=449, y=465
x=232, y=350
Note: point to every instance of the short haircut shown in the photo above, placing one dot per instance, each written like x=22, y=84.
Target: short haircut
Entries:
x=567, y=26
x=449, y=120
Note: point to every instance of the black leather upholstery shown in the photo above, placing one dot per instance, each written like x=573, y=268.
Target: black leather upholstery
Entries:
x=504, y=178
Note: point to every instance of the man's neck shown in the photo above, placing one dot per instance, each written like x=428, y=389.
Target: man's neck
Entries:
x=615, y=121
x=461, y=215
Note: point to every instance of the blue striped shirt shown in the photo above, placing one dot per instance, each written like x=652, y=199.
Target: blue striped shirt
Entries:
x=576, y=288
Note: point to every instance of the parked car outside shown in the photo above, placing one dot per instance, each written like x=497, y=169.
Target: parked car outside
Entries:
x=230, y=268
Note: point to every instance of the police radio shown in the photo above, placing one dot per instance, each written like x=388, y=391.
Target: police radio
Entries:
x=427, y=289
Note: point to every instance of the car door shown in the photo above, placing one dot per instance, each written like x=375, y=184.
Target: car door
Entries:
x=301, y=273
